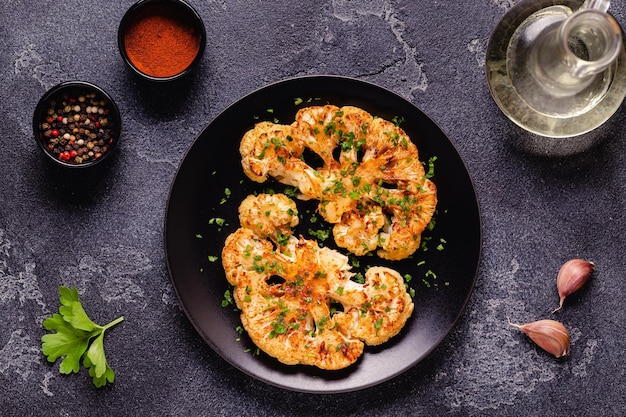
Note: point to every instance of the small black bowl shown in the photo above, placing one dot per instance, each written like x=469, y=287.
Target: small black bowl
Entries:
x=152, y=34
x=77, y=124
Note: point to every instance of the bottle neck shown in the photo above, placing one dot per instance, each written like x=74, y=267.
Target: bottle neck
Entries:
x=601, y=5
x=570, y=54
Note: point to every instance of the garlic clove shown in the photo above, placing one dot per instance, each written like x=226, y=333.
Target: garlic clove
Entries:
x=571, y=277
x=550, y=335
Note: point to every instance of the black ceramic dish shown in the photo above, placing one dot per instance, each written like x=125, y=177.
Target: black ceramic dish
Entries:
x=210, y=184
x=179, y=8
x=75, y=89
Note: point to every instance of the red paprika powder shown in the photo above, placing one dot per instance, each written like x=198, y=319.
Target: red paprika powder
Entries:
x=161, y=40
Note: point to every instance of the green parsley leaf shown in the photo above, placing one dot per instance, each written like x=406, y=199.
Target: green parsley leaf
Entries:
x=95, y=356
x=67, y=341
x=107, y=376
x=72, y=336
x=73, y=312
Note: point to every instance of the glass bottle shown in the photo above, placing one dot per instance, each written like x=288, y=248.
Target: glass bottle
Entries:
x=557, y=68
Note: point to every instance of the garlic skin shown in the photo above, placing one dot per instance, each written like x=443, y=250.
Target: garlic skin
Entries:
x=571, y=277
x=550, y=335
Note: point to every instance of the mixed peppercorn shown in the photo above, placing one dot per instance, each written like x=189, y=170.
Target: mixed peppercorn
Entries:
x=76, y=128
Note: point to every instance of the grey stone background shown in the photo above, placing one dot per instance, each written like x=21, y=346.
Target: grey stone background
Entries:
x=104, y=235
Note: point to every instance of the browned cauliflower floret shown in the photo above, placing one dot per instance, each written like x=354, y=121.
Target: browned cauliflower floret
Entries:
x=265, y=148
x=371, y=185
x=270, y=216
x=376, y=310
x=285, y=294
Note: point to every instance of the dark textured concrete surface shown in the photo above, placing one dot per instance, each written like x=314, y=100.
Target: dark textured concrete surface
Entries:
x=104, y=233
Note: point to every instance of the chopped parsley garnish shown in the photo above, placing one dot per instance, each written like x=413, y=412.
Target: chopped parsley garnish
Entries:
x=320, y=234
x=227, y=194
x=397, y=120
x=217, y=220
x=431, y=167
x=378, y=325
x=228, y=299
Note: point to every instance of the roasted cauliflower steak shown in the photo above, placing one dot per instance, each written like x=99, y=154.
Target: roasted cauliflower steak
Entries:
x=297, y=300
x=370, y=183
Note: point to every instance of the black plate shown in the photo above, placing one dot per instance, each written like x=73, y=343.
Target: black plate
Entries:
x=210, y=184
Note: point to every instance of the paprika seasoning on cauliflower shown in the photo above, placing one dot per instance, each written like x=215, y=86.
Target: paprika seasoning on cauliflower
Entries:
x=284, y=287
x=371, y=185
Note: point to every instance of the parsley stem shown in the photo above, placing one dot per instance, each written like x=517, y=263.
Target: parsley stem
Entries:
x=113, y=323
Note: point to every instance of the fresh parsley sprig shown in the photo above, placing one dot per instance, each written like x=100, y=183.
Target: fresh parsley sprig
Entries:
x=77, y=339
